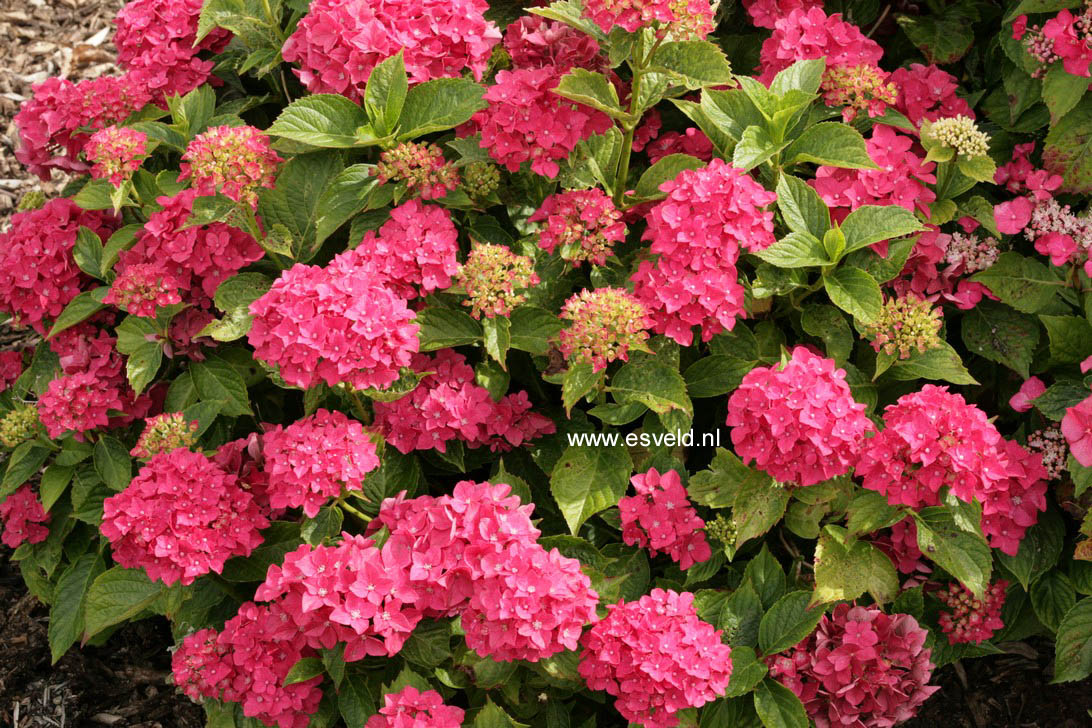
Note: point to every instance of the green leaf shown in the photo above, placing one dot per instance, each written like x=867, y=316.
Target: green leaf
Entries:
x=830, y=143
x=855, y=292
x=66, y=616
x=591, y=89
x=964, y=555
x=943, y=38
x=1070, y=338
x=354, y=701
x=88, y=252
x=492, y=716
x=805, y=76
x=142, y=365
x=326, y=524
x=497, y=338
x=1068, y=147
x=305, y=669
x=787, y=622
x=693, y=63
x=1039, y=550
x=440, y=104
x=385, y=94
x=801, y=207
x=719, y=486
x=345, y=196
x=429, y=645
x=216, y=379
x=579, y=379
x=95, y=195
x=747, y=671
x=796, y=250
x=291, y=210
x=55, y=480
x=24, y=462
x=883, y=268
x=79, y=309
x=712, y=376
x=442, y=328
x=846, y=568
x=754, y=148
x=320, y=120
x=939, y=363
x=665, y=170
x=778, y=707
x=977, y=169
x=117, y=595
x=652, y=383
x=870, y=224
x=1073, y=644
x=828, y=324
x=1000, y=334
x=1052, y=596
x=587, y=480
x=759, y=504
x=112, y=463
x=533, y=328
x=1059, y=397
x=869, y=512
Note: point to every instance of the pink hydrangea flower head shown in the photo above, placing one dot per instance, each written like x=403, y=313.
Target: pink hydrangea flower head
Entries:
x=798, y=422
x=693, y=141
x=661, y=519
x=196, y=259
x=529, y=605
x=968, y=253
x=23, y=518
x=927, y=93
x=11, y=367
x=448, y=405
x=583, y=224
x=1050, y=445
x=141, y=288
x=414, y=250
x=1057, y=232
x=234, y=160
x=411, y=708
x=972, y=619
x=901, y=546
x=808, y=33
x=766, y=13
x=1021, y=176
x=38, y=275
x=532, y=41
x=526, y=122
x=656, y=657
x=906, y=324
x=341, y=323
x=1013, y=215
x=860, y=667
x=606, y=324
x=1077, y=428
x=932, y=439
x=697, y=231
x=164, y=433
x=338, y=42
x=198, y=665
x=180, y=518
x=1013, y=504
x=495, y=279
x=116, y=152
x=79, y=403
x=683, y=18
x=858, y=89
x=313, y=459
x=351, y=592
x=421, y=167
x=1029, y=390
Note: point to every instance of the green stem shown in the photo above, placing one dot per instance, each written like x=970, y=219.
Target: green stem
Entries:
x=362, y=517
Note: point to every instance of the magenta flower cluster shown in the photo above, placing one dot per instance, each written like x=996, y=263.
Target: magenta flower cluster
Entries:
x=23, y=517
x=412, y=708
x=583, y=224
x=661, y=519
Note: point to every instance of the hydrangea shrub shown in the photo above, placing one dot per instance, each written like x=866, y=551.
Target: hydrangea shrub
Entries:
x=597, y=363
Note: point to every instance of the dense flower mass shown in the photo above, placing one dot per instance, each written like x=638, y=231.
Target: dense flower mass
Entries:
x=38, y=275
x=11, y=366
x=236, y=161
x=605, y=324
x=341, y=323
x=661, y=519
x=180, y=518
x=1049, y=444
x=927, y=93
x=338, y=42
x=311, y=460
x=656, y=658
x=861, y=88
x=421, y=167
x=798, y=422
x=766, y=13
x=1012, y=505
x=1065, y=38
x=582, y=224
x=164, y=433
x=709, y=214
x=684, y=17
x=906, y=324
x=116, y=152
x=411, y=708
x=972, y=619
x=959, y=133
x=808, y=32
x=78, y=403
x=23, y=518
x=142, y=288
x=494, y=279
x=861, y=668
x=18, y=426
x=414, y=250
x=532, y=41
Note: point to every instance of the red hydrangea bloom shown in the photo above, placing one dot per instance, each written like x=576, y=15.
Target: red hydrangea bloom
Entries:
x=453, y=537
x=798, y=422
x=530, y=605
x=182, y=334
x=685, y=17
x=335, y=324
x=338, y=42
x=78, y=402
x=143, y=287
x=311, y=460
x=972, y=619
x=901, y=546
x=421, y=167
x=410, y=708
x=656, y=657
x=526, y=121
x=180, y=518
x=697, y=232
x=38, y=275
x=198, y=258
x=766, y=13
x=901, y=179
x=414, y=250
x=234, y=160
x=661, y=519
x=1029, y=390
x=1068, y=36
x=1077, y=428
x=11, y=366
x=247, y=663
x=930, y=274
x=606, y=324
x=932, y=439
x=53, y=125
x=243, y=458
x=1020, y=176
x=22, y=515
x=693, y=141
x=584, y=224
x=928, y=93
x=448, y=405
x=860, y=668
x=808, y=33
x=532, y=41
x=116, y=152
x=1012, y=216
x=351, y=592
x=164, y=433
x=1012, y=505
